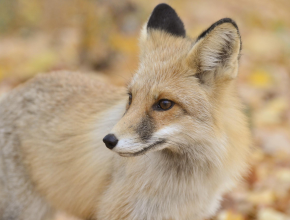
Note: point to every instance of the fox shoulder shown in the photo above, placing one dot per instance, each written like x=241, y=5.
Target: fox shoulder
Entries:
x=55, y=97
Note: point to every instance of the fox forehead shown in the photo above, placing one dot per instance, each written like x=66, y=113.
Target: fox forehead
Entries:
x=163, y=46
x=150, y=91
x=162, y=60
x=165, y=82
x=161, y=77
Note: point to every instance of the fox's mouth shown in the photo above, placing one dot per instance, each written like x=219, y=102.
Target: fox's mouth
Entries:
x=144, y=150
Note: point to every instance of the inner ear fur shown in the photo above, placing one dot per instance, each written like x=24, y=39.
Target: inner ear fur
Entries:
x=216, y=51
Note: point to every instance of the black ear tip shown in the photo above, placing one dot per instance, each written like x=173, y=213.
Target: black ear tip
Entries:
x=165, y=18
x=162, y=6
x=219, y=22
x=228, y=20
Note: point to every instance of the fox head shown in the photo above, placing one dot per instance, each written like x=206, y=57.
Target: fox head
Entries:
x=178, y=99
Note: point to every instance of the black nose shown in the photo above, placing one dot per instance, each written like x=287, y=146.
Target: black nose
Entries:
x=110, y=140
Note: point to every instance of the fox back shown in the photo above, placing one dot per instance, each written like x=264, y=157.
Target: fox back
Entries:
x=176, y=140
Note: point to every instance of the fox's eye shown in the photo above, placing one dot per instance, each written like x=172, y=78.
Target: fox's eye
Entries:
x=165, y=104
x=130, y=98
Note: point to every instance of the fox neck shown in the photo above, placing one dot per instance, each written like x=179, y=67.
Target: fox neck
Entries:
x=163, y=182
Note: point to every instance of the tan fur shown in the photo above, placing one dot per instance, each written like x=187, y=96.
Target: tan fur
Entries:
x=51, y=130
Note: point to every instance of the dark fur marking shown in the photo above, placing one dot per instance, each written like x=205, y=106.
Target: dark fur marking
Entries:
x=226, y=51
x=222, y=21
x=145, y=128
x=143, y=151
x=185, y=111
x=165, y=18
x=199, y=76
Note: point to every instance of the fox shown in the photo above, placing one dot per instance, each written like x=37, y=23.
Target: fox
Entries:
x=167, y=147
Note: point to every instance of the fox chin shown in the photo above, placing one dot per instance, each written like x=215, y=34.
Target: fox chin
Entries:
x=165, y=148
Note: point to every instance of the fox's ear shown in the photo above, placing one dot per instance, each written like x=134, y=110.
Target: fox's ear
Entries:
x=216, y=51
x=164, y=18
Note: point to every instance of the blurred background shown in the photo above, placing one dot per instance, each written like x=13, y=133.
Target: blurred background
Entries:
x=101, y=36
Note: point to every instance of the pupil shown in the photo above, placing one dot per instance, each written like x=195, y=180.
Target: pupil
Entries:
x=165, y=104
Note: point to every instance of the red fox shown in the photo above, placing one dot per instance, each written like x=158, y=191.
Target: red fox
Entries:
x=176, y=140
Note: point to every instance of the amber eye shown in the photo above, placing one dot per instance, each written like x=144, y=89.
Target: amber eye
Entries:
x=165, y=104
x=130, y=98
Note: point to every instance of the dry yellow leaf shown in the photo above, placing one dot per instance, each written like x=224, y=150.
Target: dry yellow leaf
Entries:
x=43, y=61
x=125, y=44
x=271, y=214
x=272, y=112
x=260, y=79
x=266, y=197
x=234, y=216
x=229, y=215
x=283, y=175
